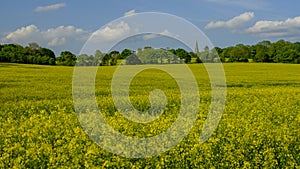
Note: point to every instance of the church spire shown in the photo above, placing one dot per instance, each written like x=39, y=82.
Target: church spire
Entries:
x=196, y=48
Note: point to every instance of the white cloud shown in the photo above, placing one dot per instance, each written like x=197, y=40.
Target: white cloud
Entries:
x=22, y=34
x=166, y=33
x=151, y=36
x=66, y=32
x=130, y=13
x=57, y=41
x=154, y=35
x=232, y=23
x=49, y=7
x=113, y=31
x=288, y=28
x=62, y=37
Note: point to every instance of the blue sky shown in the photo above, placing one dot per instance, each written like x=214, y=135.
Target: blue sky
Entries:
x=66, y=25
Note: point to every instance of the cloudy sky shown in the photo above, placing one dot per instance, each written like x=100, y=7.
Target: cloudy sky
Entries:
x=67, y=25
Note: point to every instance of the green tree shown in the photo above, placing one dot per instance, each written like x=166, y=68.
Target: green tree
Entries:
x=125, y=53
x=105, y=60
x=98, y=57
x=67, y=58
x=49, y=56
x=261, y=53
x=183, y=55
x=82, y=60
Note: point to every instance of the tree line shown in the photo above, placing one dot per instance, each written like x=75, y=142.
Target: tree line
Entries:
x=34, y=54
x=147, y=55
x=264, y=51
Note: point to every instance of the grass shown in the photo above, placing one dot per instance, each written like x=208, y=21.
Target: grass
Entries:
x=259, y=127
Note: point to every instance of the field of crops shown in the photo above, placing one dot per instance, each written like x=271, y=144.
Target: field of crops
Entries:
x=258, y=129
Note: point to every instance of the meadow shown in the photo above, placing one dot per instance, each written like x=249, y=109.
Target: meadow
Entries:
x=258, y=129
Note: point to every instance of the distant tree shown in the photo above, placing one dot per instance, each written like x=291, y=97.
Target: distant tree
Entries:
x=214, y=54
x=147, y=55
x=147, y=47
x=33, y=46
x=51, y=61
x=114, y=59
x=172, y=51
x=265, y=51
x=105, y=60
x=198, y=60
x=133, y=60
x=242, y=53
x=265, y=43
x=12, y=53
x=125, y=53
x=67, y=58
x=48, y=56
x=113, y=55
x=218, y=50
x=82, y=60
x=98, y=58
x=261, y=53
x=183, y=55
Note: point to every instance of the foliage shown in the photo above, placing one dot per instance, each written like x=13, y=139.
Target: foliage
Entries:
x=67, y=58
x=150, y=55
x=125, y=53
x=259, y=128
x=32, y=54
x=265, y=51
x=133, y=60
x=92, y=60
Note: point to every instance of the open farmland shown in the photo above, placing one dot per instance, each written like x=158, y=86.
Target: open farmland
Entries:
x=259, y=127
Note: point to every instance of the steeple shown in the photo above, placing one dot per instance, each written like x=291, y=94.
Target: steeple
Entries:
x=196, y=48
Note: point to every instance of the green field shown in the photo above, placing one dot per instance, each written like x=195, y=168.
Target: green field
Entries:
x=259, y=127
